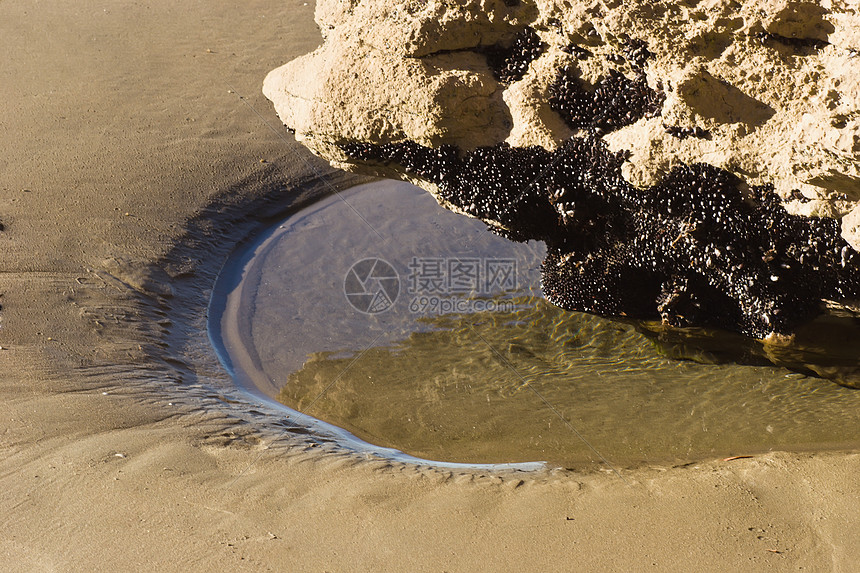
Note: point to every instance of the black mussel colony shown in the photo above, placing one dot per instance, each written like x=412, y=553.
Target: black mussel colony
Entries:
x=510, y=64
x=697, y=249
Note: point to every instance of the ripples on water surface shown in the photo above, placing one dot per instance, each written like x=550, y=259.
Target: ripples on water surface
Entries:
x=522, y=381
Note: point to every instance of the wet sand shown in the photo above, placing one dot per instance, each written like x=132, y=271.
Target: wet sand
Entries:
x=139, y=152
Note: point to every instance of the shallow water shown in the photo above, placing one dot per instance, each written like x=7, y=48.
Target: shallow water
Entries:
x=414, y=328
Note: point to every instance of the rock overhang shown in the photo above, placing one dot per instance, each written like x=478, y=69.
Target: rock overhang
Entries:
x=762, y=96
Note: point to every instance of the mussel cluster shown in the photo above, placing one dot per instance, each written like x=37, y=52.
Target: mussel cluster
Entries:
x=698, y=249
x=510, y=64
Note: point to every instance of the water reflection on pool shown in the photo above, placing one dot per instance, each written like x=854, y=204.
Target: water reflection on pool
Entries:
x=414, y=328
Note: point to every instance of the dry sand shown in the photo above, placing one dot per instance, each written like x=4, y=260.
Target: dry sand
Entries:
x=131, y=167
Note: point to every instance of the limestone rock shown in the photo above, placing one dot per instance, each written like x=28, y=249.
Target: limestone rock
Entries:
x=765, y=91
x=776, y=83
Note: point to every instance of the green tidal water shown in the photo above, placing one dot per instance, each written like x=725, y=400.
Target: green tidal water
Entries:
x=496, y=374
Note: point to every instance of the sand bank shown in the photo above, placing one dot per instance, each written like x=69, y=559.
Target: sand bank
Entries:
x=138, y=153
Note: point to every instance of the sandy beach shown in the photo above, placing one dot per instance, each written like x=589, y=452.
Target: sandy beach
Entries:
x=139, y=151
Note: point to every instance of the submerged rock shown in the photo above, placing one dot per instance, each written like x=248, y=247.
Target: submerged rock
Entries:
x=688, y=162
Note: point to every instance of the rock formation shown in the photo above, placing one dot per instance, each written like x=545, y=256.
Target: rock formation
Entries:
x=694, y=161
